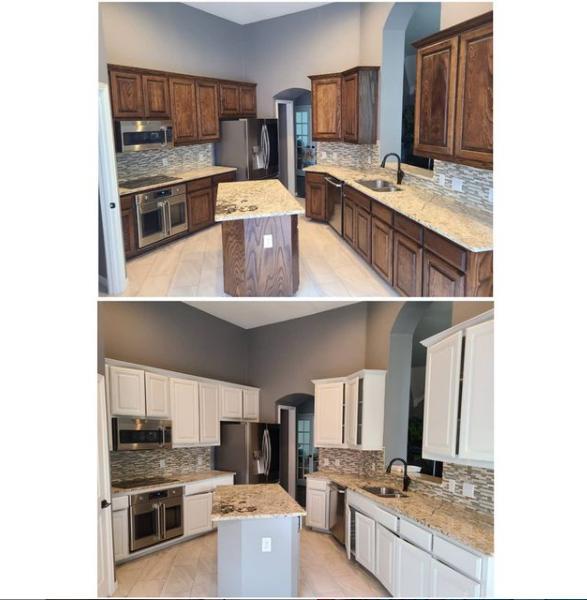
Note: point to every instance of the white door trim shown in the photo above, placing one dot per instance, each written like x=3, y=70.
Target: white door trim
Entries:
x=291, y=145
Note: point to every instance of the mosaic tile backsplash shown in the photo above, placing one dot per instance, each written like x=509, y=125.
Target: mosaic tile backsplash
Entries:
x=168, y=160
x=347, y=155
x=135, y=464
x=365, y=462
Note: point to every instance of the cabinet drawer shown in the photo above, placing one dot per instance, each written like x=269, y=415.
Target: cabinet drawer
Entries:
x=416, y=535
x=386, y=519
x=458, y=557
x=358, y=198
x=317, y=484
x=224, y=177
x=451, y=253
x=408, y=227
x=207, y=485
x=314, y=177
x=199, y=184
x=381, y=212
x=126, y=202
x=119, y=503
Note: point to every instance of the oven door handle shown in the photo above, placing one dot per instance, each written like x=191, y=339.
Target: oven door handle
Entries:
x=162, y=441
x=163, y=518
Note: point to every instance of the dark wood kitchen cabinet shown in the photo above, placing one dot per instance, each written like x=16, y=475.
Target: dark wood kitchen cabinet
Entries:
x=348, y=221
x=441, y=278
x=407, y=265
x=326, y=107
x=363, y=233
x=200, y=208
x=237, y=100
x=129, y=229
x=359, y=105
x=382, y=248
x=207, y=111
x=228, y=94
x=454, y=94
x=156, y=96
x=183, y=110
x=126, y=94
x=247, y=100
x=316, y=197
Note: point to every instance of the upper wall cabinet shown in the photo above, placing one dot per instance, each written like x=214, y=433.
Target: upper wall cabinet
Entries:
x=207, y=113
x=156, y=96
x=454, y=94
x=126, y=91
x=239, y=403
x=326, y=107
x=237, y=100
x=183, y=110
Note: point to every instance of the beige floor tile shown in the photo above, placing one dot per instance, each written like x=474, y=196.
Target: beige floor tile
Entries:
x=146, y=588
x=155, y=286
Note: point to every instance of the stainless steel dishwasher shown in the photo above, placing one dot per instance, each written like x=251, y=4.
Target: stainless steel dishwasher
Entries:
x=337, y=512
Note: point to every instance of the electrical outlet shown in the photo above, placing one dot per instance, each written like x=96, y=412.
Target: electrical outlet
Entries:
x=490, y=195
x=441, y=180
x=322, y=154
x=265, y=544
x=165, y=162
x=457, y=184
x=335, y=155
x=268, y=240
x=326, y=462
x=452, y=485
x=337, y=462
x=468, y=490
x=162, y=463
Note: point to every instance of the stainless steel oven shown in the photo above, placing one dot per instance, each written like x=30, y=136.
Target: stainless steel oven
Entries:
x=137, y=136
x=140, y=434
x=161, y=214
x=334, y=192
x=155, y=517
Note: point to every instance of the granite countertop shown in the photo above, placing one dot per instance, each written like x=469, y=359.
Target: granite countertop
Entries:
x=179, y=177
x=259, y=501
x=467, y=226
x=255, y=199
x=179, y=479
x=464, y=525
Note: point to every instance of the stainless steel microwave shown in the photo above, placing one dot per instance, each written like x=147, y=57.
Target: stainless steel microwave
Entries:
x=137, y=136
x=140, y=434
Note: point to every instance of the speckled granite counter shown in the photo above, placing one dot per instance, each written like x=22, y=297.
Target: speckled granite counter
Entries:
x=254, y=199
x=465, y=225
x=180, y=479
x=464, y=525
x=260, y=501
x=179, y=177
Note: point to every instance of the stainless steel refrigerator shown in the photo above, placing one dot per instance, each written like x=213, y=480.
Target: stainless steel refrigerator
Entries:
x=250, y=145
x=251, y=450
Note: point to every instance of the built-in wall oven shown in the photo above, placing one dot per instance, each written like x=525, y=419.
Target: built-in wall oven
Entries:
x=161, y=214
x=155, y=517
x=140, y=434
x=334, y=193
x=138, y=136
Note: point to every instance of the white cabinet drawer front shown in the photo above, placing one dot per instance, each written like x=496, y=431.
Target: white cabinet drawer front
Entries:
x=317, y=484
x=458, y=557
x=415, y=534
x=386, y=519
x=447, y=583
x=119, y=503
x=207, y=485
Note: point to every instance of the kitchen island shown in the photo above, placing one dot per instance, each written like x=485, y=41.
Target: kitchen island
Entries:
x=258, y=540
x=260, y=247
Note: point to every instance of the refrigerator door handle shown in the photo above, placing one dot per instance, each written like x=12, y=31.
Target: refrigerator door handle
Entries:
x=269, y=454
x=266, y=144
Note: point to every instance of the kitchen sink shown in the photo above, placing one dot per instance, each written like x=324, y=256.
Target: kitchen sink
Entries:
x=384, y=492
x=379, y=185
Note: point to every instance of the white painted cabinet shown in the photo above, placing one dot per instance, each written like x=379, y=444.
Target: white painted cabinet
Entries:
x=448, y=583
x=251, y=405
x=197, y=511
x=185, y=415
x=351, y=395
x=157, y=396
x=209, y=397
x=385, y=543
x=476, y=426
x=317, y=508
x=411, y=577
x=231, y=403
x=365, y=541
x=120, y=534
x=127, y=392
x=329, y=408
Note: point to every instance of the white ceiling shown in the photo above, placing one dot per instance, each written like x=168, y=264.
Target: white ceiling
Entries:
x=251, y=12
x=250, y=313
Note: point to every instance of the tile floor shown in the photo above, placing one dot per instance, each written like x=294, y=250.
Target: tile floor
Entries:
x=193, y=267
x=189, y=570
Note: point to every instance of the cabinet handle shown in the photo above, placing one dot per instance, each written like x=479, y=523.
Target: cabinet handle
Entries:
x=105, y=504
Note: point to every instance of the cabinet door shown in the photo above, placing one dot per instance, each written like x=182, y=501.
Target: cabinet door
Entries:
x=441, y=397
x=407, y=265
x=200, y=209
x=229, y=100
x=476, y=425
x=348, y=221
x=126, y=93
x=184, y=412
x=474, y=112
x=363, y=233
x=183, y=110
x=381, y=249
x=316, y=200
x=156, y=94
x=351, y=396
x=440, y=278
x=129, y=231
x=231, y=403
x=251, y=405
x=350, y=108
x=120, y=534
x=447, y=583
x=247, y=100
x=127, y=392
x=157, y=396
x=365, y=541
x=329, y=415
x=197, y=510
x=436, y=83
x=384, y=556
x=326, y=100
x=209, y=413
x=411, y=576
x=207, y=113
x=316, y=507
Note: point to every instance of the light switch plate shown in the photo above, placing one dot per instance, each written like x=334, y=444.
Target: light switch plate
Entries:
x=162, y=463
x=335, y=155
x=468, y=490
x=457, y=184
x=322, y=154
x=165, y=162
x=490, y=195
x=326, y=462
x=337, y=462
x=441, y=180
x=268, y=240
x=452, y=485
x=265, y=544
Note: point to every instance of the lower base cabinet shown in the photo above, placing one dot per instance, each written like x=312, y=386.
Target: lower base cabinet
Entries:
x=412, y=571
x=120, y=534
x=448, y=583
x=317, y=508
x=385, y=543
x=365, y=541
x=197, y=510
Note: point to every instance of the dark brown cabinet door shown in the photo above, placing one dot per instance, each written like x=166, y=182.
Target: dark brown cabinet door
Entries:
x=229, y=100
x=436, y=83
x=381, y=248
x=183, y=110
x=326, y=96
x=128, y=231
x=350, y=107
x=348, y=221
x=207, y=113
x=156, y=96
x=363, y=233
x=441, y=279
x=407, y=265
x=126, y=91
x=200, y=208
x=316, y=198
x=247, y=100
x=474, y=118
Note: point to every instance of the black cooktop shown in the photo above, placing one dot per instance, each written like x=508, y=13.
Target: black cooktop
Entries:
x=133, y=184
x=134, y=483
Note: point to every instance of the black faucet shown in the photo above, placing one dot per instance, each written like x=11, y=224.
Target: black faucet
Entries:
x=400, y=173
x=406, y=478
